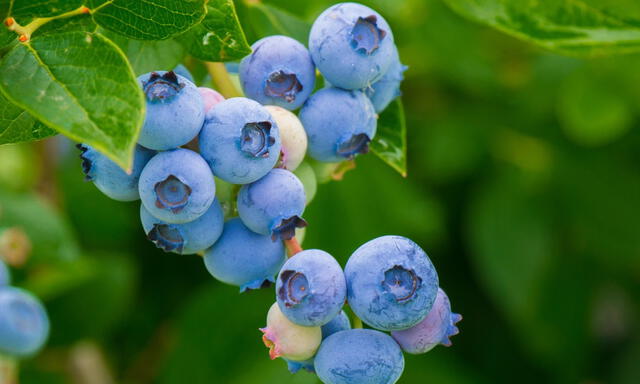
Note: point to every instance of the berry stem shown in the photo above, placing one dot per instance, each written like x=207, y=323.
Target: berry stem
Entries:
x=8, y=370
x=342, y=168
x=357, y=322
x=293, y=246
x=25, y=32
x=222, y=80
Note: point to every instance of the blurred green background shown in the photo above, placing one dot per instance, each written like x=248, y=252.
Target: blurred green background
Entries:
x=523, y=187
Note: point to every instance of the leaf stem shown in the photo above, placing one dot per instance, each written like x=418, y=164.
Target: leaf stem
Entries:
x=293, y=246
x=25, y=31
x=222, y=80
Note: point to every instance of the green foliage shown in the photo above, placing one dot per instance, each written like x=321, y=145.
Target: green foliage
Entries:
x=42, y=8
x=573, y=27
x=261, y=19
x=16, y=125
x=146, y=56
x=215, y=38
x=149, y=19
x=91, y=82
x=390, y=143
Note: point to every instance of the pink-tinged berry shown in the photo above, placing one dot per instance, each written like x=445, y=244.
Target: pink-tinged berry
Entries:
x=292, y=135
x=210, y=98
x=288, y=340
x=436, y=328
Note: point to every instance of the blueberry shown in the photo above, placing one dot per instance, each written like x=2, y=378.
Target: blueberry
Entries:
x=391, y=283
x=240, y=140
x=210, y=98
x=109, y=178
x=243, y=258
x=273, y=205
x=337, y=324
x=359, y=356
x=288, y=340
x=187, y=238
x=339, y=124
x=174, y=110
x=279, y=72
x=184, y=72
x=24, y=325
x=177, y=186
x=5, y=276
x=311, y=288
x=292, y=136
x=435, y=329
x=352, y=45
x=385, y=90
x=307, y=177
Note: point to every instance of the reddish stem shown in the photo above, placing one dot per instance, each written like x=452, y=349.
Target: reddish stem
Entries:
x=293, y=246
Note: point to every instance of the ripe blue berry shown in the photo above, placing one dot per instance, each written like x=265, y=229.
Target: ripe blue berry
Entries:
x=279, y=72
x=5, y=276
x=175, y=111
x=436, y=328
x=339, y=124
x=177, y=186
x=289, y=340
x=243, y=258
x=24, y=325
x=359, y=356
x=391, y=283
x=273, y=205
x=109, y=178
x=385, y=90
x=311, y=288
x=240, y=140
x=352, y=45
x=187, y=238
x=292, y=136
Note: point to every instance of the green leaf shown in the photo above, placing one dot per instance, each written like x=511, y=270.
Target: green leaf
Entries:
x=261, y=20
x=43, y=8
x=17, y=126
x=150, y=19
x=6, y=37
x=5, y=6
x=69, y=24
x=219, y=37
x=80, y=84
x=147, y=56
x=573, y=27
x=390, y=143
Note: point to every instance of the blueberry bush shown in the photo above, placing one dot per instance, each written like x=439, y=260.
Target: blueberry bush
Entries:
x=233, y=135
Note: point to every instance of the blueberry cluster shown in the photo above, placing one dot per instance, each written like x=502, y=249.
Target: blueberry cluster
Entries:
x=201, y=158
x=24, y=324
x=389, y=283
x=227, y=179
